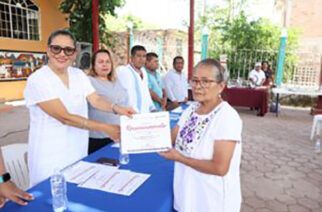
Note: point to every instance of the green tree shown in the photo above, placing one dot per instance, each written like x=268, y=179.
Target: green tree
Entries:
x=259, y=34
x=242, y=40
x=80, y=17
x=256, y=37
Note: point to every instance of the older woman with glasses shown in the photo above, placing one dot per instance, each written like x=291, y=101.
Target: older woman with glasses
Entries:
x=207, y=149
x=57, y=96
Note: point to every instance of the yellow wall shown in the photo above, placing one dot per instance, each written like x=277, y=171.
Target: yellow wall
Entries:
x=50, y=19
x=12, y=90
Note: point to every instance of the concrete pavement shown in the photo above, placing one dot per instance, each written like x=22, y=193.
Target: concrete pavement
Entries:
x=279, y=170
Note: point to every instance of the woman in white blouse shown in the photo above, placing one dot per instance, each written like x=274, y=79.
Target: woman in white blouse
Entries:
x=57, y=96
x=207, y=147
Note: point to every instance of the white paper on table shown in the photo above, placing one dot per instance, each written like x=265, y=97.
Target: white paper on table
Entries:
x=82, y=171
x=128, y=183
x=101, y=179
x=116, y=181
x=147, y=132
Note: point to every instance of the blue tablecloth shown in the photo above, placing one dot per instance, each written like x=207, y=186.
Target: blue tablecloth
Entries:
x=153, y=195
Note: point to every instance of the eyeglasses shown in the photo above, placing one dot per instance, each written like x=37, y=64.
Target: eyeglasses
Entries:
x=68, y=51
x=203, y=83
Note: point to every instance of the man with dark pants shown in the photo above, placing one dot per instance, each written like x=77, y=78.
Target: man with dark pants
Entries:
x=176, y=85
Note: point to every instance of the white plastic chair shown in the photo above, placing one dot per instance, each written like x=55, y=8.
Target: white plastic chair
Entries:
x=316, y=126
x=15, y=163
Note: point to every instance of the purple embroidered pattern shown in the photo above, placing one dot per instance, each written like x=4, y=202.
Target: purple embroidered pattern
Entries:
x=188, y=131
x=192, y=130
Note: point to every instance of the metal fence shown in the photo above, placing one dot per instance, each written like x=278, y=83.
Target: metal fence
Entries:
x=301, y=69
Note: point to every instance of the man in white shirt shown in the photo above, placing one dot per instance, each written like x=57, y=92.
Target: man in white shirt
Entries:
x=256, y=76
x=135, y=80
x=175, y=83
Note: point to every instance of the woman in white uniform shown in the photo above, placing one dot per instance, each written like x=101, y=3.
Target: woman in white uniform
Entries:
x=57, y=96
x=207, y=147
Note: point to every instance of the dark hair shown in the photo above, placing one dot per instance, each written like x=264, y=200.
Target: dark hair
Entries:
x=177, y=58
x=151, y=55
x=111, y=76
x=60, y=32
x=265, y=62
x=219, y=70
x=136, y=49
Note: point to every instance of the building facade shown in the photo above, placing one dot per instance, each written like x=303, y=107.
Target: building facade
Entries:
x=24, y=28
x=305, y=16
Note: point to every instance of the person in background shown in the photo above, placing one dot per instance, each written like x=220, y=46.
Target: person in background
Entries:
x=135, y=81
x=156, y=86
x=56, y=96
x=256, y=76
x=269, y=73
x=103, y=78
x=175, y=82
x=9, y=190
x=207, y=150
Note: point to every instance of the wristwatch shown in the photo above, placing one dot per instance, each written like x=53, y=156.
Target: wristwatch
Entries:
x=5, y=177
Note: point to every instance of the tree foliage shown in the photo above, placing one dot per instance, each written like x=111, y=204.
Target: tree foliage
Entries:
x=80, y=17
x=232, y=36
x=259, y=34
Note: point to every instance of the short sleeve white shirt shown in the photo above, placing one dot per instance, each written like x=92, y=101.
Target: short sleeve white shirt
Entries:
x=257, y=76
x=176, y=86
x=52, y=144
x=128, y=78
x=198, y=191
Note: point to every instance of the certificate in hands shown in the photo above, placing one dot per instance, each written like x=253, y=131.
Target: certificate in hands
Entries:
x=148, y=132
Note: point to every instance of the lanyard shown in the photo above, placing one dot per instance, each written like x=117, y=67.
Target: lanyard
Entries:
x=137, y=88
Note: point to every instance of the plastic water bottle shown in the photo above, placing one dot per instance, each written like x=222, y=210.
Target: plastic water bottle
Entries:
x=317, y=146
x=58, y=191
x=124, y=158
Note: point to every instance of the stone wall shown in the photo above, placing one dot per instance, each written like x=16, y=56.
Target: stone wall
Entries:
x=166, y=43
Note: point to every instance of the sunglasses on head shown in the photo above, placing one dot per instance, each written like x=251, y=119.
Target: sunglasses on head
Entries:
x=68, y=51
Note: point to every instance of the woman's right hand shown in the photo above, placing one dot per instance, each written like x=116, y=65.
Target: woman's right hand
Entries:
x=113, y=131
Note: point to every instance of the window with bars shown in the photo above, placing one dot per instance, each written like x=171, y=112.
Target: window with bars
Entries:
x=19, y=19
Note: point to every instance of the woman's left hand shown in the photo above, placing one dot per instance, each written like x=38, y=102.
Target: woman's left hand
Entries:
x=10, y=191
x=172, y=154
x=127, y=111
